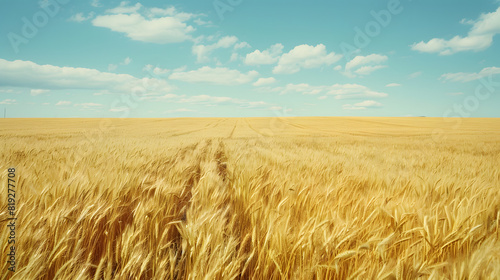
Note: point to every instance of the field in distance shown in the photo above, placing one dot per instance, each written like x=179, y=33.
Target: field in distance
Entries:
x=253, y=198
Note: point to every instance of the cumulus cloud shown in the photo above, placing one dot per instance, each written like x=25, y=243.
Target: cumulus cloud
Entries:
x=124, y=8
x=202, y=22
x=27, y=74
x=113, y=67
x=305, y=56
x=202, y=52
x=362, y=105
x=467, y=77
x=344, y=91
x=241, y=45
x=264, y=81
x=268, y=56
x=218, y=76
x=155, y=71
x=364, y=65
x=303, y=88
x=95, y=3
x=155, y=25
x=80, y=17
x=480, y=37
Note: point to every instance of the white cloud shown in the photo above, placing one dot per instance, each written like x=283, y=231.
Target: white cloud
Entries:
x=35, y=92
x=305, y=56
x=95, y=3
x=366, y=70
x=351, y=107
x=79, y=17
x=218, y=75
x=393, y=85
x=467, y=77
x=344, y=91
x=8, y=101
x=480, y=37
x=264, y=81
x=124, y=8
x=241, y=45
x=63, y=103
x=180, y=69
x=364, y=60
x=27, y=74
x=202, y=52
x=126, y=61
x=362, y=105
x=113, y=67
x=303, y=88
x=268, y=56
x=202, y=22
x=161, y=26
x=155, y=71
x=456, y=44
x=487, y=24
x=368, y=103
x=339, y=91
x=234, y=57
x=364, y=65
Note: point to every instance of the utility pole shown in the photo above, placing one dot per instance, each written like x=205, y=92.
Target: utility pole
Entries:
x=4, y=112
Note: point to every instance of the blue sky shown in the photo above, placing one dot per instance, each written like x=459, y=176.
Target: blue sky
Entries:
x=241, y=58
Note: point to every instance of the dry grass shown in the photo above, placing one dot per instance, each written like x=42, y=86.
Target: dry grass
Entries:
x=304, y=198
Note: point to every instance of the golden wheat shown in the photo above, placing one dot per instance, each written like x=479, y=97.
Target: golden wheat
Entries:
x=260, y=198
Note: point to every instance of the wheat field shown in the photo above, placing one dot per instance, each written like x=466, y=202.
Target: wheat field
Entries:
x=255, y=198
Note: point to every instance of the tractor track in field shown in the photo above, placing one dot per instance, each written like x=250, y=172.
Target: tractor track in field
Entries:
x=208, y=126
x=199, y=157
x=234, y=128
x=252, y=128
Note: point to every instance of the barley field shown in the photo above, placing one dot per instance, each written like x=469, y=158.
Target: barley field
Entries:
x=255, y=198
